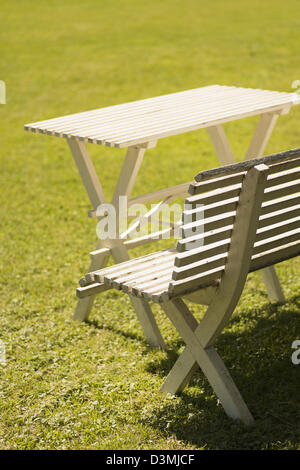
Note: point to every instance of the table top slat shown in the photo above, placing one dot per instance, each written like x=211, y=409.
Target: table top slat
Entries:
x=153, y=118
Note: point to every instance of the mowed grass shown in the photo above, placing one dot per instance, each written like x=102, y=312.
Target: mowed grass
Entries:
x=96, y=385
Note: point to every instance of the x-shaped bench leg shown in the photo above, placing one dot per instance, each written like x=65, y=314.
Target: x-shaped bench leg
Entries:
x=256, y=149
x=208, y=360
x=117, y=248
x=200, y=338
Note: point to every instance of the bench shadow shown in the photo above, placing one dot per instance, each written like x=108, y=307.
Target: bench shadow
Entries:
x=100, y=326
x=257, y=348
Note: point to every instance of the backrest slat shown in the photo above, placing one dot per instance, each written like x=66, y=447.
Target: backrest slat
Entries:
x=281, y=190
x=278, y=216
x=206, y=238
x=285, y=165
x=276, y=255
x=283, y=177
x=269, y=160
x=268, y=207
x=276, y=241
x=197, y=247
x=222, y=182
x=219, y=194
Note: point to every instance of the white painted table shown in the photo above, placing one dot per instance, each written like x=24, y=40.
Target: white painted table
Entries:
x=137, y=126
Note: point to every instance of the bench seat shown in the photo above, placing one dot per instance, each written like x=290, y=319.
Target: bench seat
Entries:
x=237, y=219
x=148, y=276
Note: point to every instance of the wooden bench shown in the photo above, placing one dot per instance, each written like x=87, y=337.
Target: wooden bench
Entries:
x=238, y=218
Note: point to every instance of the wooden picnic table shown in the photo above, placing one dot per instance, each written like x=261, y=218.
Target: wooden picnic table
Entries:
x=138, y=126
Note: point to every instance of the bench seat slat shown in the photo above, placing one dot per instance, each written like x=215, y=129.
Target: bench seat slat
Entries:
x=126, y=272
x=92, y=289
x=148, y=269
x=157, y=293
x=144, y=276
x=131, y=266
x=139, y=288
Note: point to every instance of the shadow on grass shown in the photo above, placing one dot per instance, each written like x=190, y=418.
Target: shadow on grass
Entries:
x=256, y=348
x=128, y=335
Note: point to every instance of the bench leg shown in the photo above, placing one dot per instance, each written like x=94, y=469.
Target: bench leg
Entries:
x=180, y=374
x=208, y=360
x=200, y=338
x=143, y=312
x=272, y=284
x=83, y=308
x=148, y=323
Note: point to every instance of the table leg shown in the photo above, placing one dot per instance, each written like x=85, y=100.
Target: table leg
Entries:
x=96, y=195
x=221, y=144
x=256, y=149
x=118, y=250
x=261, y=135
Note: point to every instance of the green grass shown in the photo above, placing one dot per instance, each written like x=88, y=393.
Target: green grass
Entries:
x=73, y=386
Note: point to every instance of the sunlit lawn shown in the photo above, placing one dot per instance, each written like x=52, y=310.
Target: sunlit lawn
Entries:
x=96, y=385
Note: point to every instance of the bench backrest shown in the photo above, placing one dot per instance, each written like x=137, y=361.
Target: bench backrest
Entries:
x=209, y=219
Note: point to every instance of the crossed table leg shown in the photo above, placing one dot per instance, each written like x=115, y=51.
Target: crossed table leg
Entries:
x=118, y=251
